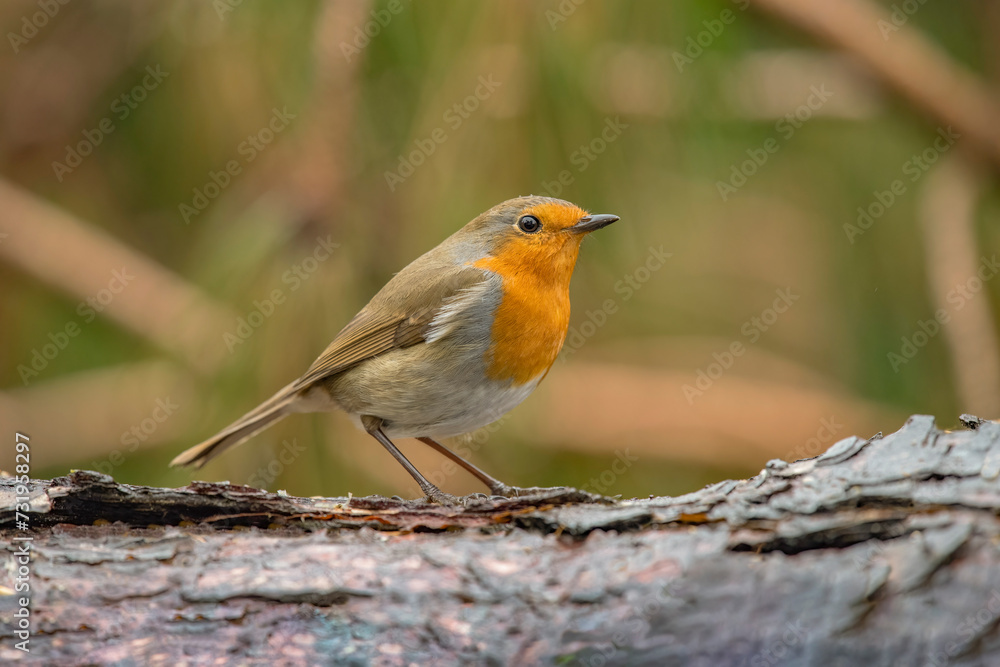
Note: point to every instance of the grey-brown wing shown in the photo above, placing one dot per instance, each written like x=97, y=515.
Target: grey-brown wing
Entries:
x=384, y=325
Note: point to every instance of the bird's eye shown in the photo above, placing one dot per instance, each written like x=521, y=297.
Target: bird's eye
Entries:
x=529, y=224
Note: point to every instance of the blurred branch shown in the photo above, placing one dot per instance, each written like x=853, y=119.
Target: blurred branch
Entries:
x=53, y=88
x=309, y=177
x=91, y=414
x=737, y=421
x=907, y=62
x=81, y=260
x=947, y=213
x=317, y=175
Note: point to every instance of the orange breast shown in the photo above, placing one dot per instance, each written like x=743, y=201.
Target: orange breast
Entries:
x=533, y=315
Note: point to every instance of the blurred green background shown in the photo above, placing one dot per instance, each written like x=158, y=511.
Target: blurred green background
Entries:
x=196, y=197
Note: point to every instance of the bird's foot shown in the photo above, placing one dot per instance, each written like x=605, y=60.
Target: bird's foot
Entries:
x=438, y=496
x=501, y=489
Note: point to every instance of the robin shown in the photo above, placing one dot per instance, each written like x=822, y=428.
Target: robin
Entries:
x=454, y=341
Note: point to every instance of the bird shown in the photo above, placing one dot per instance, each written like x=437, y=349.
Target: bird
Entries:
x=458, y=338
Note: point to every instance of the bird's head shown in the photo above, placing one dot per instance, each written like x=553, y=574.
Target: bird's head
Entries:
x=538, y=235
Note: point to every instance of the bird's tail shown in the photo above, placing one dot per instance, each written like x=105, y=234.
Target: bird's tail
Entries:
x=247, y=426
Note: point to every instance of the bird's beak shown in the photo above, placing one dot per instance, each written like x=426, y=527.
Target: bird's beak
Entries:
x=591, y=223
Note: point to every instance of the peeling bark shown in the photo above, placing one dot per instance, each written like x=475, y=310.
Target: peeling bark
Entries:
x=878, y=552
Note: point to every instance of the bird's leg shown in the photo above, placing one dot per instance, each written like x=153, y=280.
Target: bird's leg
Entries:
x=374, y=427
x=497, y=487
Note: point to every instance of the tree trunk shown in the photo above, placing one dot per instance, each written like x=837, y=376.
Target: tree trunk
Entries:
x=879, y=552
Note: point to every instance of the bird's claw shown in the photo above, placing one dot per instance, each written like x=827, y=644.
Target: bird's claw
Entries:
x=441, y=498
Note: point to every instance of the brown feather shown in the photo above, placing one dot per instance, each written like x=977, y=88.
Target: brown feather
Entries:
x=374, y=331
